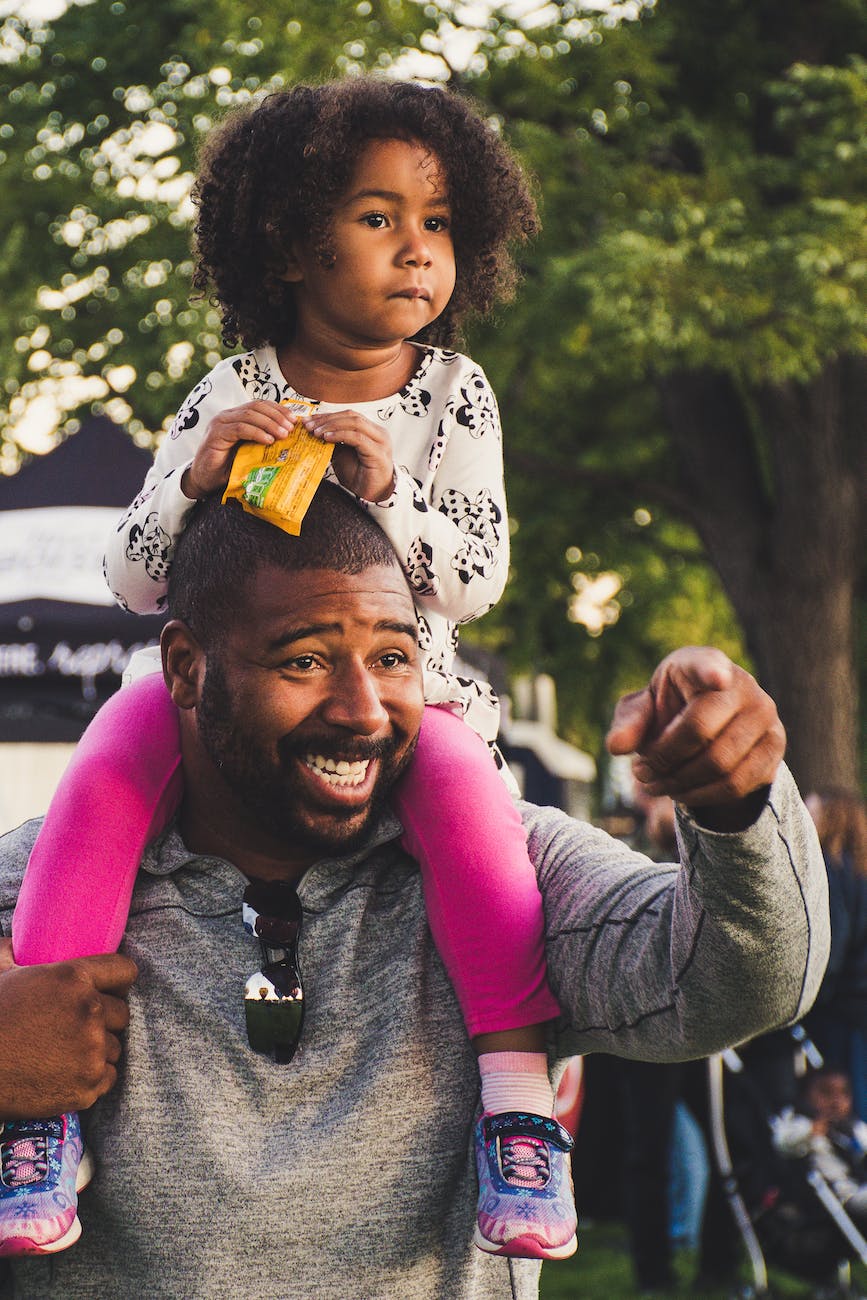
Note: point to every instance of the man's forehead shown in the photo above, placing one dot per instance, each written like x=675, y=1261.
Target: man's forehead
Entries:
x=280, y=593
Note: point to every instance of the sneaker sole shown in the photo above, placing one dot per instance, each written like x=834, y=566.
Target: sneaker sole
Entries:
x=525, y=1247
x=26, y=1246
x=86, y=1170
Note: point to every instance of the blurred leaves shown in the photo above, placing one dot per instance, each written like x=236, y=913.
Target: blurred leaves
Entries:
x=702, y=171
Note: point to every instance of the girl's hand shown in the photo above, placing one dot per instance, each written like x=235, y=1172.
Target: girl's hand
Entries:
x=263, y=422
x=362, y=457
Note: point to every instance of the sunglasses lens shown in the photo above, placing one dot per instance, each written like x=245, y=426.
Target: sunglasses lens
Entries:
x=273, y=997
x=274, y=1009
x=275, y=931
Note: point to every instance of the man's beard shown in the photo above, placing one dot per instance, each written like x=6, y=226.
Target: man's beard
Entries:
x=263, y=783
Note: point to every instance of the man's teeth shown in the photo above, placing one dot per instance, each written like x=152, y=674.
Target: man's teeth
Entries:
x=338, y=771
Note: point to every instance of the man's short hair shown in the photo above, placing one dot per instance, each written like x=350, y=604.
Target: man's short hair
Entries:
x=223, y=547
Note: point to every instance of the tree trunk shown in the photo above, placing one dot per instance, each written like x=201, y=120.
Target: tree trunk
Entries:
x=776, y=492
x=805, y=645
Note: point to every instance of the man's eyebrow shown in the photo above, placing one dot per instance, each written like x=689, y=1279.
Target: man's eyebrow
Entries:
x=395, y=625
x=307, y=630
x=293, y=634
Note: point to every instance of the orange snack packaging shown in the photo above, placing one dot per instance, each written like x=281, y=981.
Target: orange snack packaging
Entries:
x=277, y=482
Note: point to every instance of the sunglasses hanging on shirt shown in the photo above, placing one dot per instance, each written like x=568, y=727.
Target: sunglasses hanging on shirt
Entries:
x=274, y=996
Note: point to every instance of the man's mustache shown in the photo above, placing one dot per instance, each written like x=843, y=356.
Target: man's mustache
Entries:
x=354, y=749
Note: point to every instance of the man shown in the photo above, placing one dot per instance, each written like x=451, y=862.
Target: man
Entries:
x=347, y=1172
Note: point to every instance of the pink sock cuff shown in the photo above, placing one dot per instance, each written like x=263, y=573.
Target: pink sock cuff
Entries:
x=513, y=1062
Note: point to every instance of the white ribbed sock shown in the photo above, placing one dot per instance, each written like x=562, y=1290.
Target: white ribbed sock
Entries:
x=516, y=1081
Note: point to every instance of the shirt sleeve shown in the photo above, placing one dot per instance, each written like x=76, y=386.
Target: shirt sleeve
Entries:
x=665, y=962
x=139, y=553
x=453, y=540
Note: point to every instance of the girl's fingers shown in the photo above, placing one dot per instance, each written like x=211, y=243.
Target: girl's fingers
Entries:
x=349, y=428
x=253, y=422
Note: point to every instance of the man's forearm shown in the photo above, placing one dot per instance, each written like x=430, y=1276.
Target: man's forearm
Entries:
x=660, y=963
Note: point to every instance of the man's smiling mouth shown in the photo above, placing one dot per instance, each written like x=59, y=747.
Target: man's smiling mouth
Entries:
x=338, y=771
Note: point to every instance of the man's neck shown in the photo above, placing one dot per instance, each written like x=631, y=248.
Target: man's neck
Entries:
x=207, y=832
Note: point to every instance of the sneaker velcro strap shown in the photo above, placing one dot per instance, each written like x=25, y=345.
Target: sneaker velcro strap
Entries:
x=521, y=1123
x=15, y=1129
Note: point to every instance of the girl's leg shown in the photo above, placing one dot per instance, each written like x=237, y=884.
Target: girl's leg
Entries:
x=121, y=787
x=485, y=914
x=481, y=894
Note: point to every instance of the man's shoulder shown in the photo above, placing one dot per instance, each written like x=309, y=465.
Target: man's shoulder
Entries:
x=545, y=825
x=540, y=815
x=15, y=849
x=560, y=845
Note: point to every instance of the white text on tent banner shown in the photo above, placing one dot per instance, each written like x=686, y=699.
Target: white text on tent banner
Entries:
x=55, y=553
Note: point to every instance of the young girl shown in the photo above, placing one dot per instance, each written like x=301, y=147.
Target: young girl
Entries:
x=345, y=230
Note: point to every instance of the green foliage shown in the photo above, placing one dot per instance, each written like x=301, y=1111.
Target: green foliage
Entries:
x=701, y=172
x=104, y=111
x=730, y=238
x=703, y=190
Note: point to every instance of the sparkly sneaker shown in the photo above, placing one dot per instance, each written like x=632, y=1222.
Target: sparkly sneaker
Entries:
x=42, y=1169
x=526, y=1201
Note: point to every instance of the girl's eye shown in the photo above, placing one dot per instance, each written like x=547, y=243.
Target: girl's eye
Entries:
x=437, y=225
x=376, y=220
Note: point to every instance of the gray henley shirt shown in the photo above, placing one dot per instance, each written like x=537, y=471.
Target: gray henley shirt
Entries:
x=348, y=1174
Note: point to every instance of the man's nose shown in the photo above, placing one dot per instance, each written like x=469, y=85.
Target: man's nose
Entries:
x=354, y=702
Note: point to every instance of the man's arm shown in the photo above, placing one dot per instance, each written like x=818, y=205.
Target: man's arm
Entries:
x=665, y=963
x=59, y=1027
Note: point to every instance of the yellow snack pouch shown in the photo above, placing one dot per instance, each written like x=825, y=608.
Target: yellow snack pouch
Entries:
x=277, y=482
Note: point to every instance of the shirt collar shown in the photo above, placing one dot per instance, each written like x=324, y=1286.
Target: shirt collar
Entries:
x=168, y=854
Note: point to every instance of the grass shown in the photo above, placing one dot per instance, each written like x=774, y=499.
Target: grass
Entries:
x=602, y=1271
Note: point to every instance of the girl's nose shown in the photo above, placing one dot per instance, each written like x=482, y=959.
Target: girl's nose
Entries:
x=354, y=703
x=416, y=251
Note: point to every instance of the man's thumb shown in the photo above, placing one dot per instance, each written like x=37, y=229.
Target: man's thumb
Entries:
x=632, y=718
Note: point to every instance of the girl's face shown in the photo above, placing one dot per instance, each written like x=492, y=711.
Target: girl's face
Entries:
x=394, y=265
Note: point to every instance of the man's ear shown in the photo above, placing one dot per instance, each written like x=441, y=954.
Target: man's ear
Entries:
x=183, y=664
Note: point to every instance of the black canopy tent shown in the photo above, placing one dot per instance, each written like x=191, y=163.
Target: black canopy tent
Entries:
x=64, y=643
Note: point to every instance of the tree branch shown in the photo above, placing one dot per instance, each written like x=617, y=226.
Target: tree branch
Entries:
x=628, y=484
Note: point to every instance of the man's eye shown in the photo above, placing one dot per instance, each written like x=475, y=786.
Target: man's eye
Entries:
x=301, y=663
x=393, y=659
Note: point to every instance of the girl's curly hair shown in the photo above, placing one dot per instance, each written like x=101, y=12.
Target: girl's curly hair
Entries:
x=272, y=174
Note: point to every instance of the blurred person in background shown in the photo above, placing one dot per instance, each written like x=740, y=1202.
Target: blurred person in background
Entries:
x=671, y=1194
x=838, y=1022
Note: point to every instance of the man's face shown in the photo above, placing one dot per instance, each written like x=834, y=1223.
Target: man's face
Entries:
x=311, y=707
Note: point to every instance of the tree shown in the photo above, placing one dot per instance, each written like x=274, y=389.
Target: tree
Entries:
x=704, y=270
x=682, y=376
x=104, y=109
